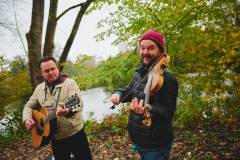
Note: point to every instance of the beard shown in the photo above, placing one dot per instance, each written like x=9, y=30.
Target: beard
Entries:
x=148, y=60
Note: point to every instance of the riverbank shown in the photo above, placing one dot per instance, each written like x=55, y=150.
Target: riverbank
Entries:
x=214, y=141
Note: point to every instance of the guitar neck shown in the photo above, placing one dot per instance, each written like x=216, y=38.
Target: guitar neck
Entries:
x=73, y=101
x=49, y=117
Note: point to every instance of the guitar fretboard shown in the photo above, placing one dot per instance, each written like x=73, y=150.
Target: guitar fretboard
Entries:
x=73, y=101
x=49, y=117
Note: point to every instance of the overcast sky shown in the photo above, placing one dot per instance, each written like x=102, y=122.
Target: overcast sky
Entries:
x=84, y=42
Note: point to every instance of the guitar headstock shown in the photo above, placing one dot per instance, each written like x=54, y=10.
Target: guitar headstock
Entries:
x=73, y=103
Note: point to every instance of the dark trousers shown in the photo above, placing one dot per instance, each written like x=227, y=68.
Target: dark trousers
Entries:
x=76, y=144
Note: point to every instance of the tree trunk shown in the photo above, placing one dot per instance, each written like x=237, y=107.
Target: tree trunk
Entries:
x=34, y=40
x=34, y=36
x=70, y=40
x=51, y=28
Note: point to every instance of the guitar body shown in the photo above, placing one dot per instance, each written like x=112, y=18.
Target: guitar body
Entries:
x=40, y=132
x=45, y=126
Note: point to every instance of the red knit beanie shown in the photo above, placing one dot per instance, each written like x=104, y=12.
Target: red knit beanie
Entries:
x=155, y=36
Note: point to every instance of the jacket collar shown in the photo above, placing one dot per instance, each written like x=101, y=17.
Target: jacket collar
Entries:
x=61, y=78
x=144, y=68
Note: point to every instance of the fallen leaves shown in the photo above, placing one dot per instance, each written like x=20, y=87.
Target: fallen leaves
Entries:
x=207, y=141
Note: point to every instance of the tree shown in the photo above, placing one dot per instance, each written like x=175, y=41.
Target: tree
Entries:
x=14, y=86
x=202, y=38
x=34, y=36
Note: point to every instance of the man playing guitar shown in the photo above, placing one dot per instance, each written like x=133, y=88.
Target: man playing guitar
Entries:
x=69, y=136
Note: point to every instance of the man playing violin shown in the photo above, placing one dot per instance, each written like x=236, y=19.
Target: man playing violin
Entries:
x=69, y=136
x=153, y=141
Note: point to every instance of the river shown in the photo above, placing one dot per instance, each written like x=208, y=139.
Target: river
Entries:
x=96, y=100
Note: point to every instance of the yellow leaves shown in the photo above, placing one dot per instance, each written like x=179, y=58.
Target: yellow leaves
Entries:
x=229, y=60
x=223, y=60
x=233, y=52
x=235, y=34
x=224, y=50
x=229, y=56
x=211, y=68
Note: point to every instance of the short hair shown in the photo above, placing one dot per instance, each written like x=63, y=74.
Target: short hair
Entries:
x=45, y=59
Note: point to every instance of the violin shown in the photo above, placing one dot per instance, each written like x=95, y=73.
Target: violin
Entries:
x=154, y=84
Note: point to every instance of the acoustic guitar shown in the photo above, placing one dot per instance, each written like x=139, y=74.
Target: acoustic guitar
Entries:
x=41, y=130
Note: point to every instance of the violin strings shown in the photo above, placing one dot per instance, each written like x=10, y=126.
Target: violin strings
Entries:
x=127, y=94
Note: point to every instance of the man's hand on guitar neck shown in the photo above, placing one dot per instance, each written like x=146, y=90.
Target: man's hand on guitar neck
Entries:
x=29, y=123
x=61, y=110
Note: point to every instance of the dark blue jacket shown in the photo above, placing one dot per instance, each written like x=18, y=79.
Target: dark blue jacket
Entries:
x=163, y=108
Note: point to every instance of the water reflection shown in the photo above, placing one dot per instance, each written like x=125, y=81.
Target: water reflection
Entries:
x=96, y=100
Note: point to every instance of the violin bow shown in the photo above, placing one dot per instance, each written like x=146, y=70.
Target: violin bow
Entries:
x=126, y=95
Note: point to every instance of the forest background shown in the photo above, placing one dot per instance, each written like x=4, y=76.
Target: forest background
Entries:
x=202, y=38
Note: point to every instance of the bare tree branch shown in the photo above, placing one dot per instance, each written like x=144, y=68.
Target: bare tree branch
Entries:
x=155, y=16
x=18, y=31
x=70, y=8
x=73, y=33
